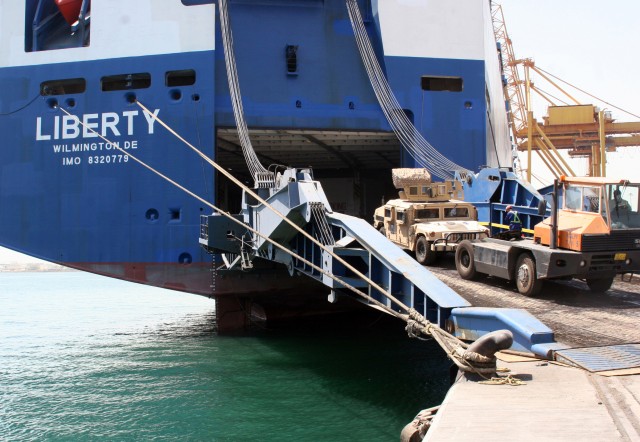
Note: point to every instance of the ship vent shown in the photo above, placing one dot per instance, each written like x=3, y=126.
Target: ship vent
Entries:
x=186, y=77
x=125, y=82
x=291, y=54
x=441, y=83
x=321, y=230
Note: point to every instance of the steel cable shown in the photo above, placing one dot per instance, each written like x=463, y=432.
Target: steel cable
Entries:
x=262, y=177
x=411, y=139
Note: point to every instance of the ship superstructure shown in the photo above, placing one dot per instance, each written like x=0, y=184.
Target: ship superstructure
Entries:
x=68, y=196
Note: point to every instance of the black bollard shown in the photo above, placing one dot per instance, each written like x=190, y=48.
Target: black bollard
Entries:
x=491, y=343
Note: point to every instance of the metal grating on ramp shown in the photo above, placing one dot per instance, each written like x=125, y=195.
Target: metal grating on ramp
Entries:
x=614, y=357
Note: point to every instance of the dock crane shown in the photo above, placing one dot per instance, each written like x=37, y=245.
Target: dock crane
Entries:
x=583, y=129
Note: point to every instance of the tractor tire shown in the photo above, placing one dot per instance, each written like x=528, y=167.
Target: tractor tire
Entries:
x=526, y=278
x=600, y=285
x=465, y=263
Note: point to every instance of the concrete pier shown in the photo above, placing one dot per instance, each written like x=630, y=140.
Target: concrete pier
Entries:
x=557, y=403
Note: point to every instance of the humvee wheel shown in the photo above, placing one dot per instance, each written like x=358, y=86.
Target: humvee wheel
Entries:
x=424, y=254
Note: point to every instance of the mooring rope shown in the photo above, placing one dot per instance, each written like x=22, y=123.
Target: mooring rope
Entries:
x=416, y=322
x=411, y=139
x=262, y=201
x=234, y=219
x=457, y=350
x=504, y=380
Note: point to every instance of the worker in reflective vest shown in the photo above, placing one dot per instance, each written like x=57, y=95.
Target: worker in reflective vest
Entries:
x=512, y=218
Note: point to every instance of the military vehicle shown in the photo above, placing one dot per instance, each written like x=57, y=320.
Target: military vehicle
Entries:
x=427, y=218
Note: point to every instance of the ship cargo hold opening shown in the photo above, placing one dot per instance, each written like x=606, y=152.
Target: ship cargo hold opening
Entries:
x=353, y=166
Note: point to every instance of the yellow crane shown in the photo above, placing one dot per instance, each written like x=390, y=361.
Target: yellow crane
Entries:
x=583, y=129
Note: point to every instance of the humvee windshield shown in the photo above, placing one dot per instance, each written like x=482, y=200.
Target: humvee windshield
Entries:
x=456, y=212
x=427, y=213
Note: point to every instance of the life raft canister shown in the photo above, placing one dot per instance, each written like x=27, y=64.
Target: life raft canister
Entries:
x=70, y=9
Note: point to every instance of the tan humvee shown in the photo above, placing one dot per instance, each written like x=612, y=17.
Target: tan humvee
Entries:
x=427, y=218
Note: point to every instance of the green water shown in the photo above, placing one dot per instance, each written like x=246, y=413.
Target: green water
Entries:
x=89, y=358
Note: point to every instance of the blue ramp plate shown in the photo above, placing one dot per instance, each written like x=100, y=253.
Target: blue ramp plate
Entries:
x=614, y=357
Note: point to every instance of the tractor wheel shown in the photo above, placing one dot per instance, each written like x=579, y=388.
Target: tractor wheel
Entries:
x=526, y=278
x=600, y=285
x=464, y=261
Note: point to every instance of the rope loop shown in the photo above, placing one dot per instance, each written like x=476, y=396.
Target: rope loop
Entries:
x=504, y=380
x=476, y=359
x=415, y=329
x=417, y=316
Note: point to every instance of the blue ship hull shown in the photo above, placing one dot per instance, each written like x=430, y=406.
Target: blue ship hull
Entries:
x=69, y=197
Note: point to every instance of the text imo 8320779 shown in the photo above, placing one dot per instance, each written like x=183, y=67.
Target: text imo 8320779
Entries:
x=96, y=159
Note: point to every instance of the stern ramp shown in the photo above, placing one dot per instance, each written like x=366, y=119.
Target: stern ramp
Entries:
x=292, y=223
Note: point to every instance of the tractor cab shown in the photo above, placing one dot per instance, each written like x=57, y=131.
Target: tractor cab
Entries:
x=595, y=210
